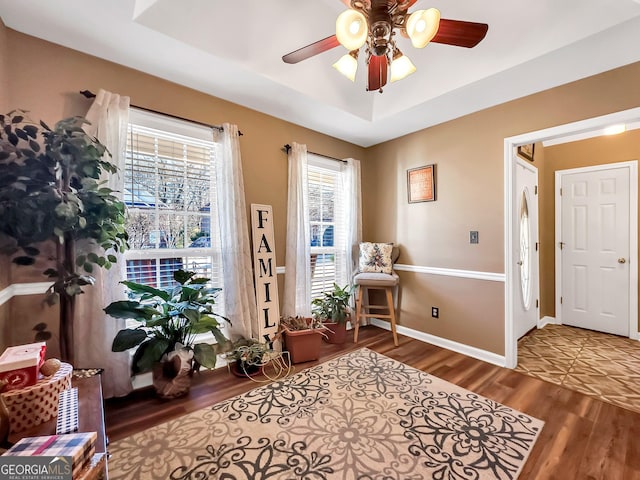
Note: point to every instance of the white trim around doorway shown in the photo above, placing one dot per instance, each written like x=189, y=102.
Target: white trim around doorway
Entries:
x=510, y=144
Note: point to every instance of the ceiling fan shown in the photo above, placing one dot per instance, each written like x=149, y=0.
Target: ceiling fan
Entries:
x=374, y=23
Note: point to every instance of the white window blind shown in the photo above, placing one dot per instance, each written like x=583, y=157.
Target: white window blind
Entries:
x=170, y=193
x=327, y=223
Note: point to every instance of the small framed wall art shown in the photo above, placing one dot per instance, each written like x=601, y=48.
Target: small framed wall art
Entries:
x=526, y=151
x=421, y=184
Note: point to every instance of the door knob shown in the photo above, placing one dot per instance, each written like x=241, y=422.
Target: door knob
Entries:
x=622, y=260
x=520, y=262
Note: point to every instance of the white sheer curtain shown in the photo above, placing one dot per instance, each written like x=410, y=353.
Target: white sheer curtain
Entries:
x=238, y=292
x=94, y=331
x=353, y=215
x=297, y=277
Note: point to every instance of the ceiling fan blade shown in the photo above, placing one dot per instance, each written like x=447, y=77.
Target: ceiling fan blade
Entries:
x=406, y=6
x=460, y=33
x=311, y=50
x=377, y=72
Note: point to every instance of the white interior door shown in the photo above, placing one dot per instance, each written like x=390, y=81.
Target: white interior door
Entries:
x=595, y=249
x=525, y=217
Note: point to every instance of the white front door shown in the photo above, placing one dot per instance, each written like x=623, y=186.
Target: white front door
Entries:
x=595, y=249
x=525, y=217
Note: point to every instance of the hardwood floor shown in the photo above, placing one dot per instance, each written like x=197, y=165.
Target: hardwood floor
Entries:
x=583, y=437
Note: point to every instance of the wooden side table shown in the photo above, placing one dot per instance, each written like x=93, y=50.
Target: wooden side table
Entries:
x=90, y=419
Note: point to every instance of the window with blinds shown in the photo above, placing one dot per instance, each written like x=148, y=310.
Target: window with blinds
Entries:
x=170, y=193
x=327, y=223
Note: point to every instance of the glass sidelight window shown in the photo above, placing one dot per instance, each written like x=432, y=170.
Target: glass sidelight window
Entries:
x=525, y=250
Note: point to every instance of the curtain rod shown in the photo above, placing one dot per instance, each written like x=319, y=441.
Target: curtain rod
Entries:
x=287, y=147
x=89, y=94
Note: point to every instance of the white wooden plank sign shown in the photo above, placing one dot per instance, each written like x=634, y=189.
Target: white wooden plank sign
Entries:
x=265, y=326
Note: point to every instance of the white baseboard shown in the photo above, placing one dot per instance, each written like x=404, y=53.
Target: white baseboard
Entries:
x=544, y=321
x=467, y=350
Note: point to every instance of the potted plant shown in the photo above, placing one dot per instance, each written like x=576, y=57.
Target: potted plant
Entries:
x=333, y=310
x=302, y=338
x=170, y=319
x=50, y=190
x=247, y=357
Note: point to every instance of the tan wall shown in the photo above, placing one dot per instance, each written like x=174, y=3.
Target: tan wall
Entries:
x=584, y=153
x=468, y=152
x=469, y=155
x=46, y=78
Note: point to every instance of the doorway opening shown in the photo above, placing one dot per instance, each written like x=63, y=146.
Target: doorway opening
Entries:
x=585, y=128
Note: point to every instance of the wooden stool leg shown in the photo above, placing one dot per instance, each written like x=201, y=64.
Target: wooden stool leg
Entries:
x=392, y=312
x=358, y=310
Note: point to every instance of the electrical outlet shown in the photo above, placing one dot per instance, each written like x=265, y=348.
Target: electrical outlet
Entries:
x=473, y=236
x=435, y=312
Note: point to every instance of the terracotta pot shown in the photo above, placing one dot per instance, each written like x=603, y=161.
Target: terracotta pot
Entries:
x=336, y=332
x=303, y=345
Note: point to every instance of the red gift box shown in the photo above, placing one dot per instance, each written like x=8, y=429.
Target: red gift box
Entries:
x=20, y=365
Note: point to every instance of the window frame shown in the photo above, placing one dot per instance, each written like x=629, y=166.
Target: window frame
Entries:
x=176, y=130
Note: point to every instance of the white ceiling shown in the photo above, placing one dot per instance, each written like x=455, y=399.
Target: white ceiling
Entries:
x=232, y=49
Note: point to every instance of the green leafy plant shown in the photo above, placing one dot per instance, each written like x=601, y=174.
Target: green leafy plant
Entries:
x=51, y=190
x=333, y=306
x=298, y=323
x=169, y=318
x=250, y=351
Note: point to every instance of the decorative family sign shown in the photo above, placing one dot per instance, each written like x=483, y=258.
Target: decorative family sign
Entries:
x=265, y=326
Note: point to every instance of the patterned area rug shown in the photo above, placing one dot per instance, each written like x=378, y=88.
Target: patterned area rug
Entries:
x=361, y=416
x=597, y=364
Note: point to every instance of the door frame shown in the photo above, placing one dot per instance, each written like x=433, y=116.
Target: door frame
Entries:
x=510, y=144
x=632, y=165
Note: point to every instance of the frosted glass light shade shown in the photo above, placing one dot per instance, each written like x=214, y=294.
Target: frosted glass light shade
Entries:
x=401, y=67
x=347, y=66
x=422, y=26
x=351, y=29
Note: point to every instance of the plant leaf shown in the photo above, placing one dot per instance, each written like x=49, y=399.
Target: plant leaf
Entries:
x=128, y=338
x=182, y=276
x=138, y=288
x=192, y=315
x=22, y=260
x=205, y=354
x=152, y=353
x=42, y=336
x=130, y=309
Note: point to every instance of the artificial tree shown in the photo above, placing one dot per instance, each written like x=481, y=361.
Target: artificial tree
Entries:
x=51, y=190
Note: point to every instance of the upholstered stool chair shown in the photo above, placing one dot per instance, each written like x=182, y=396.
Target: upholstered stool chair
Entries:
x=376, y=281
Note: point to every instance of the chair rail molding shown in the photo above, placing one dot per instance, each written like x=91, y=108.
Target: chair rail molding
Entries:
x=448, y=272
x=16, y=289
x=452, y=272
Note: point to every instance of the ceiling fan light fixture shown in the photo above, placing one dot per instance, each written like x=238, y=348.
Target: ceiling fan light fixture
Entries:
x=347, y=65
x=351, y=29
x=422, y=26
x=401, y=66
